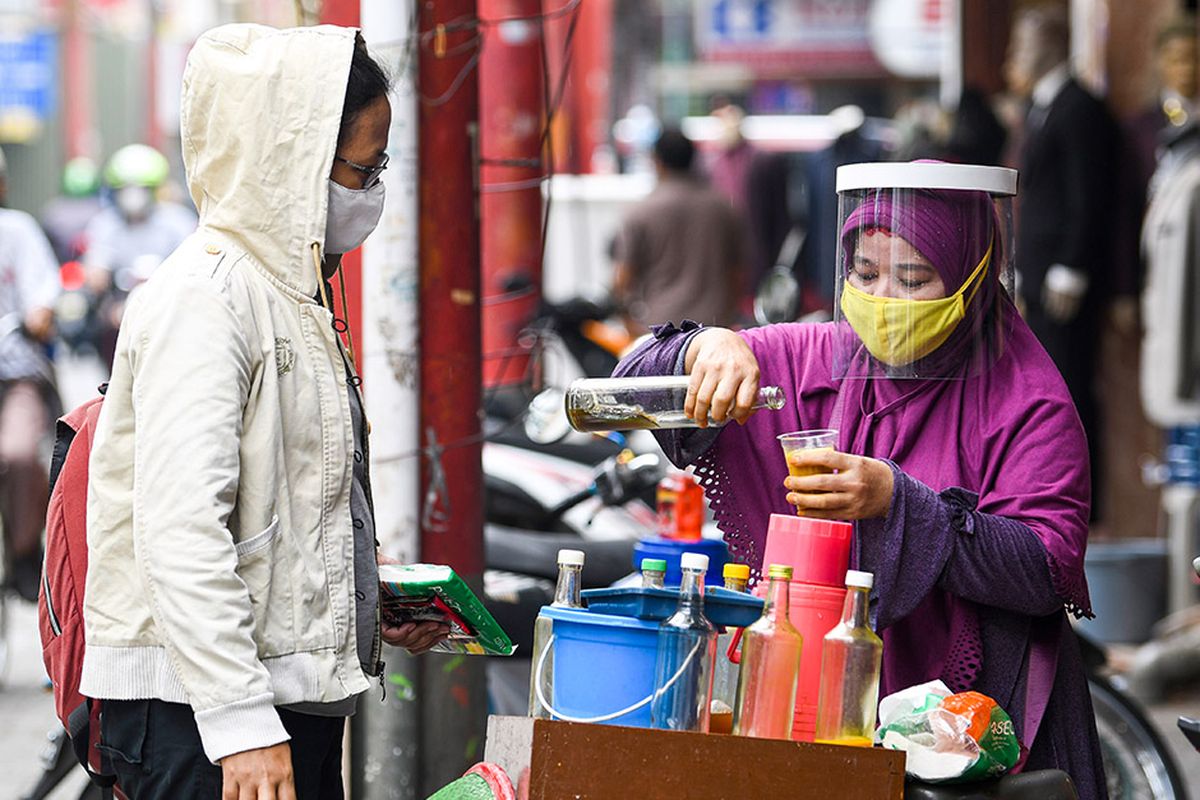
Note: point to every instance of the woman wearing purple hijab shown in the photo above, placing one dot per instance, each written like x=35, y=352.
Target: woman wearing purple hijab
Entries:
x=960, y=456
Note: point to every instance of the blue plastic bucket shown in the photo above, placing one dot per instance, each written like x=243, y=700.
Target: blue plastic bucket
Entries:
x=602, y=664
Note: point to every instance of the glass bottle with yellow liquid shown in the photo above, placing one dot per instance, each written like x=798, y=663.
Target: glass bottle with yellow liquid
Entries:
x=725, y=674
x=766, y=697
x=850, y=660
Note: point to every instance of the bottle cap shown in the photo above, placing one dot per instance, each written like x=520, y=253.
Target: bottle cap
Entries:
x=694, y=561
x=739, y=572
x=654, y=565
x=864, y=580
x=782, y=571
x=570, y=558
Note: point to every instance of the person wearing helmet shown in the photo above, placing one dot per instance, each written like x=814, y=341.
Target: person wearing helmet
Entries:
x=229, y=461
x=65, y=217
x=127, y=239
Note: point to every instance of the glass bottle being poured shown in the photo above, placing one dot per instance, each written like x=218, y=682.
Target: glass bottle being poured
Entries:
x=646, y=403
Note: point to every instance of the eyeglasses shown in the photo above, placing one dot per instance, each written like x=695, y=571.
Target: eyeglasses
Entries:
x=370, y=174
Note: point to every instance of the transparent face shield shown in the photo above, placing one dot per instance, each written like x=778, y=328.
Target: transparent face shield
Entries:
x=924, y=269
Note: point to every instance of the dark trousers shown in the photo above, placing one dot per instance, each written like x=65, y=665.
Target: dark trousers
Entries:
x=155, y=750
x=1074, y=349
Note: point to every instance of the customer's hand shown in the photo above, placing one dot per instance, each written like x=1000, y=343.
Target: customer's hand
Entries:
x=724, y=377
x=846, y=488
x=261, y=774
x=415, y=637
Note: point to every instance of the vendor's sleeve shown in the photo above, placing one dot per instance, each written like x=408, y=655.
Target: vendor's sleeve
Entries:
x=933, y=539
x=664, y=354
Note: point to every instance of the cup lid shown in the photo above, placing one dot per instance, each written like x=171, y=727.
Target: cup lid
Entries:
x=570, y=558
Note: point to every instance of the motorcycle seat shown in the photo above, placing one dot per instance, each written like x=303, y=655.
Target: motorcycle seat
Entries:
x=1044, y=784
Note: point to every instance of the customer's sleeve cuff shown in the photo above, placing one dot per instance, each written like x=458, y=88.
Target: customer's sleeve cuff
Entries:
x=243, y=725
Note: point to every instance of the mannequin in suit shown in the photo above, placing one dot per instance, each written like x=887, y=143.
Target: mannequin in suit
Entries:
x=1065, y=219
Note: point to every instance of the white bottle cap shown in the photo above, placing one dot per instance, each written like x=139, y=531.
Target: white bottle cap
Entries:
x=694, y=561
x=864, y=580
x=570, y=558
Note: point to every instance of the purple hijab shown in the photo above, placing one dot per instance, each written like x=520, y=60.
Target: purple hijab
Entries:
x=983, y=545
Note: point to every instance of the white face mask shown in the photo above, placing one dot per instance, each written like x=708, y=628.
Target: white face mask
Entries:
x=353, y=214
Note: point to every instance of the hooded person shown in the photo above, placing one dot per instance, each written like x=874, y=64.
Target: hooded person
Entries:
x=960, y=457
x=231, y=606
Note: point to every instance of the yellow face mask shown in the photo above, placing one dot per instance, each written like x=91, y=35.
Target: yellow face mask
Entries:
x=899, y=332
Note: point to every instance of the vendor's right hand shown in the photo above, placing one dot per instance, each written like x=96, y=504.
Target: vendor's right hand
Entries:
x=261, y=774
x=724, y=377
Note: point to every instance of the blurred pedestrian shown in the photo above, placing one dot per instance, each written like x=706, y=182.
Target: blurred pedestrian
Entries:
x=976, y=134
x=1170, y=362
x=755, y=182
x=129, y=238
x=1173, y=106
x=28, y=401
x=681, y=251
x=229, y=460
x=1063, y=236
x=65, y=217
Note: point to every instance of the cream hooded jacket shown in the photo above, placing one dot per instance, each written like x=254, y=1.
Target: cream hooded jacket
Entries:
x=219, y=531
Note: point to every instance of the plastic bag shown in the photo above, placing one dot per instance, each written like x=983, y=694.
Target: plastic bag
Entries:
x=948, y=738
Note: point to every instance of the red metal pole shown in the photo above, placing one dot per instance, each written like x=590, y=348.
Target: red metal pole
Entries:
x=453, y=692
x=347, y=13
x=511, y=119
x=76, y=98
x=591, y=71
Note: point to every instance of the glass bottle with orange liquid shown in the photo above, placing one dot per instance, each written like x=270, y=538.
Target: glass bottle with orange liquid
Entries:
x=850, y=659
x=766, y=697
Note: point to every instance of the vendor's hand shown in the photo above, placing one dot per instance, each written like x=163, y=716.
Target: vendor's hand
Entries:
x=861, y=488
x=415, y=637
x=724, y=377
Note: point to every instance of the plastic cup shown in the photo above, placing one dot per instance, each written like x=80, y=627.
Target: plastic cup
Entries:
x=797, y=441
x=792, y=443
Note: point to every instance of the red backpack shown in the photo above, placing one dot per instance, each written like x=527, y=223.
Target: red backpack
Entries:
x=60, y=599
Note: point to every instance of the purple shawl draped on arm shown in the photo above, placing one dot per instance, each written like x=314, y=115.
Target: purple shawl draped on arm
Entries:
x=983, y=546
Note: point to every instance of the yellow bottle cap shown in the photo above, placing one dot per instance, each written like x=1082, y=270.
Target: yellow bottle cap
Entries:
x=739, y=572
x=782, y=571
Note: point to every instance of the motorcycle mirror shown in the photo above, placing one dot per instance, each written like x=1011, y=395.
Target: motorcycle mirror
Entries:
x=545, y=419
x=778, y=297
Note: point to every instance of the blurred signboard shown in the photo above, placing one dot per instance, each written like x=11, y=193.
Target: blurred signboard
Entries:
x=807, y=38
x=28, y=77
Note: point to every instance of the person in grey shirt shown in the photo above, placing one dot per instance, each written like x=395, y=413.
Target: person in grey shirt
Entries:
x=681, y=251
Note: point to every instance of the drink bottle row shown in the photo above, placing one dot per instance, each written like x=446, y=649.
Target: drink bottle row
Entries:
x=739, y=680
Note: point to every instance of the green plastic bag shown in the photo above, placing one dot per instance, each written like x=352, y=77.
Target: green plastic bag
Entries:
x=948, y=738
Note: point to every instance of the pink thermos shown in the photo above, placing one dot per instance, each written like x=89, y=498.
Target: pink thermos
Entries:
x=819, y=553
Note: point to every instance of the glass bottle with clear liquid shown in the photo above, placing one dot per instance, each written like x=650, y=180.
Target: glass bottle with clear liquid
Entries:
x=850, y=659
x=645, y=403
x=766, y=701
x=725, y=674
x=687, y=645
x=654, y=573
x=566, y=595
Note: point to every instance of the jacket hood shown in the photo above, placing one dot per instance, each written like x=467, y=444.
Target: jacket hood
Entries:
x=259, y=121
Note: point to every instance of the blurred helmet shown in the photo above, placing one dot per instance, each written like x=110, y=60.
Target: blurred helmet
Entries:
x=136, y=165
x=81, y=177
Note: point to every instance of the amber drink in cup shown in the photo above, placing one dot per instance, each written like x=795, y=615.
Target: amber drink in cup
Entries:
x=794, y=443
